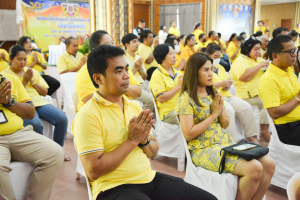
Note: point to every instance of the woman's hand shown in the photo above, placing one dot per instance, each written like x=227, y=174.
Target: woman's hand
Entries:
x=35, y=58
x=27, y=76
x=264, y=63
x=217, y=105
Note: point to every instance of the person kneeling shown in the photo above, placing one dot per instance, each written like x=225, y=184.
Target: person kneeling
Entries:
x=114, y=140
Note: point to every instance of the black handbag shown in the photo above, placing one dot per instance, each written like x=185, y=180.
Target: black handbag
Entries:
x=248, y=155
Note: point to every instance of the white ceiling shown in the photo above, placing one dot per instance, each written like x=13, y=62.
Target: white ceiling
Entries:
x=266, y=2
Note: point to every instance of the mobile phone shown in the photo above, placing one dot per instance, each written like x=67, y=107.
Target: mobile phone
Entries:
x=244, y=147
x=3, y=79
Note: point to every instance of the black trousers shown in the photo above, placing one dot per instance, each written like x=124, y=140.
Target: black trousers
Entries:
x=52, y=83
x=289, y=133
x=162, y=187
x=150, y=72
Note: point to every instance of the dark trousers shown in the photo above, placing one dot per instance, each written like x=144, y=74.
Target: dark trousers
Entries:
x=289, y=133
x=52, y=83
x=162, y=187
x=150, y=72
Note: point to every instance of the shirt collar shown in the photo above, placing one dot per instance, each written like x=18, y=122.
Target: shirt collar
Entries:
x=162, y=70
x=279, y=71
x=71, y=54
x=129, y=56
x=98, y=98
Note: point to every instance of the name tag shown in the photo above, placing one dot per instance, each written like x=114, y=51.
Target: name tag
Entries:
x=3, y=118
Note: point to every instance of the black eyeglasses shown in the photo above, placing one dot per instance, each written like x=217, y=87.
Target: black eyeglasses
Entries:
x=292, y=51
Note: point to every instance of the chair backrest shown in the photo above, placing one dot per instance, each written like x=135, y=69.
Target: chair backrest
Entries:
x=157, y=119
x=68, y=83
x=75, y=100
x=293, y=187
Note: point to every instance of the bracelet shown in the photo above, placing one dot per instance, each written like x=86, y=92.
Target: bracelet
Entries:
x=297, y=99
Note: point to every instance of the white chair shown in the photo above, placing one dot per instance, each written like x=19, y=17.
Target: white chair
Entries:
x=286, y=158
x=169, y=139
x=223, y=186
x=293, y=187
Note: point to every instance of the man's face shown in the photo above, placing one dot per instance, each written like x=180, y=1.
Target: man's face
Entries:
x=285, y=59
x=73, y=47
x=217, y=38
x=259, y=23
x=213, y=36
x=133, y=45
x=264, y=43
x=142, y=25
x=106, y=39
x=268, y=34
x=149, y=40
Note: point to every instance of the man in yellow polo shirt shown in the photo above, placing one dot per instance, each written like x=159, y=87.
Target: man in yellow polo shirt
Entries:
x=212, y=38
x=84, y=85
x=166, y=83
x=174, y=30
x=114, y=141
x=280, y=91
x=4, y=59
x=146, y=52
x=261, y=26
x=71, y=60
x=23, y=144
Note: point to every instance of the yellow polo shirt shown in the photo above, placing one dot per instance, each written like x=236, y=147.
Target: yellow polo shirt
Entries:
x=181, y=47
x=201, y=45
x=231, y=50
x=160, y=83
x=277, y=87
x=101, y=126
x=175, y=31
x=4, y=64
x=19, y=94
x=219, y=75
x=244, y=90
x=67, y=61
x=231, y=43
x=197, y=32
x=85, y=87
x=222, y=44
x=263, y=29
x=178, y=59
x=144, y=51
x=187, y=52
x=36, y=98
x=40, y=59
x=210, y=41
x=131, y=61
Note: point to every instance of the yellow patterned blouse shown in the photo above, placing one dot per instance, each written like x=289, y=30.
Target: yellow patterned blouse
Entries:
x=205, y=148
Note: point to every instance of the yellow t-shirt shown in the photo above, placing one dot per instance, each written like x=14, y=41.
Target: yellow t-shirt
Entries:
x=187, y=52
x=3, y=63
x=36, y=98
x=181, y=47
x=222, y=44
x=262, y=52
x=101, y=126
x=297, y=44
x=144, y=51
x=220, y=75
x=19, y=94
x=231, y=43
x=178, y=59
x=277, y=87
x=201, y=45
x=210, y=41
x=67, y=61
x=231, y=50
x=40, y=59
x=197, y=32
x=263, y=29
x=175, y=31
x=85, y=87
x=244, y=90
x=160, y=83
x=131, y=61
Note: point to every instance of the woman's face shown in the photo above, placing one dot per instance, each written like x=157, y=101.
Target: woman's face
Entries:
x=173, y=24
x=233, y=39
x=19, y=61
x=237, y=43
x=216, y=55
x=191, y=42
x=27, y=45
x=205, y=75
x=255, y=52
x=170, y=58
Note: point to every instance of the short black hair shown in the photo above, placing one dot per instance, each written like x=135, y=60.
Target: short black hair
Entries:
x=258, y=34
x=240, y=38
x=15, y=49
x=160, y=52
x=97, y=61
x=276, y=45
x=212, y=48
x=127, y=38
x=277, y=31
x=219, y=34
x=170, y=42
x=200, y=36
x=161, y=27
x=260, y=21
x=68, y=40
x=181, y=37
x=141, y=21
x=293, y=33
x=189, y=37
x=23, y=40
x=95, y=38
x=248, y=45
x=170, y=35
x=210, y=33
x=242, y=33
x=267, y=31
x=144, y=34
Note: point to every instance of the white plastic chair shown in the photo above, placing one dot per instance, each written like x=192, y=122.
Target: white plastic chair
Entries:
x=223, y=186
x=286, y=158
x=293, y=187
x=169, y=139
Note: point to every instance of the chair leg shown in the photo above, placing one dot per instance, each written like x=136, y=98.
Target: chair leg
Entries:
x=181, y=164
x=77, y=176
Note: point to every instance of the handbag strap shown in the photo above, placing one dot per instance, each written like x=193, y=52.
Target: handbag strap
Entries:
x=222, y=162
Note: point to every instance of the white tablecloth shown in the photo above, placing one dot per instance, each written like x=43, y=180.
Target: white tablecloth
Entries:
x=54, y=52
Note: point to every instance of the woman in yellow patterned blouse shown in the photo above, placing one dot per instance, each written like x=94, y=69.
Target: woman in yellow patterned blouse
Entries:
x=203, y=119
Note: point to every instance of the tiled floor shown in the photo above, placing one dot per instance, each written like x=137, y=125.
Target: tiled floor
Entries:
x=67, y=188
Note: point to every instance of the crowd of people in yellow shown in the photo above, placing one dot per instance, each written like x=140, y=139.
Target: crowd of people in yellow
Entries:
x=188, y=77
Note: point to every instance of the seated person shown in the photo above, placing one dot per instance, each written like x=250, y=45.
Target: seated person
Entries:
x=244, y=34
x=23, y=144
x=174, y=30
x=203, y=119
x=84, y=84
x=279, y=90
x=114, y=141
x=166, y=83
x=279, y=31
x=180, y=62
x=4, y=60
x=294, y=35
x=232, y=40
x=80, y=41
x=202, y=41
x=212, y=38
x=197, y=31
x=221, y=42
x=263, y=49
x=241, y=109
x=182, y=41
x=36, y=87
x=190, y=47
x=268, y=34
x=246, y=72
x=233, y=51
x=146, y=52
x=71, y=60
x=261, y=26
x=37, y=62
x=135, y=62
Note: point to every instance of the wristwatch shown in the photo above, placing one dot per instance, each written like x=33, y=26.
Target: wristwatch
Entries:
x=143, y=145
x=10, y=103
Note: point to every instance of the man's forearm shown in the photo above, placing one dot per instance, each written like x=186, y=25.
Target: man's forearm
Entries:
x=151, y=149
x=24, y=110
x=283, y=109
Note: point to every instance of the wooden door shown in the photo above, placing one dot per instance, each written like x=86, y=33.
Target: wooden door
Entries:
x=141, y=12
x=286, y=23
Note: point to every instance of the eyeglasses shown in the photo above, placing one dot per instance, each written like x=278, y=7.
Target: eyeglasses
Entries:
x=292, y=51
